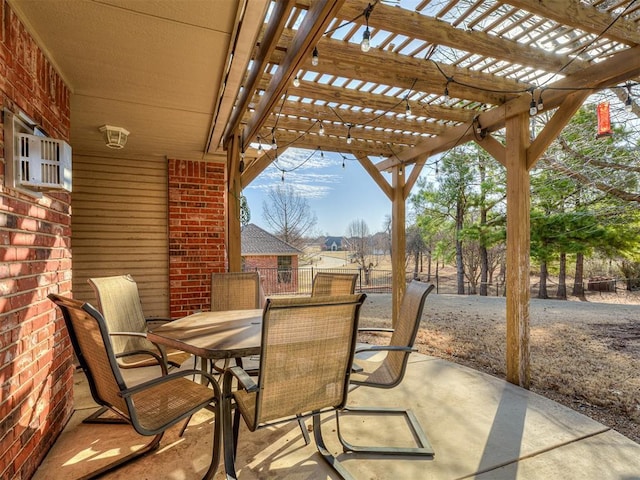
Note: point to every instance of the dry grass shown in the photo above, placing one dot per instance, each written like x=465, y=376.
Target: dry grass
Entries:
x=584, y=354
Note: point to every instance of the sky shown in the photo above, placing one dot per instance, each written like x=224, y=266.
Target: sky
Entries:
x=337, y=196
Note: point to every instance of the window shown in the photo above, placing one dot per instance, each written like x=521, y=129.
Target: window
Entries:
x=284, y=269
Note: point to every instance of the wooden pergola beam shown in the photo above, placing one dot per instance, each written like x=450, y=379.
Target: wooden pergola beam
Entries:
x=571, y=12
x=310, y=31
x=266, y=47
x=623, y=65
x=420, y=27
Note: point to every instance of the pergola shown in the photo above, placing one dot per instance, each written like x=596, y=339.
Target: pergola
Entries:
x=436, y=74
x=226, y=83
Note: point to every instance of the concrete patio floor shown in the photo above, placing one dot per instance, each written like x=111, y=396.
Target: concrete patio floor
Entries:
x=480, y=427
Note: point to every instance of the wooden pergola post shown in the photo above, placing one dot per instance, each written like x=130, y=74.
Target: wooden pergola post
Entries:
x=234, y=190
x=518, y=231
x=398, y=239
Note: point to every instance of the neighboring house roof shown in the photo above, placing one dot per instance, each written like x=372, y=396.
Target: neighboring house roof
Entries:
x=256, y=241
x=331, y=240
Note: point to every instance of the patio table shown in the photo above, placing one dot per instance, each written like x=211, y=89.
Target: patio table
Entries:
x=213, y=335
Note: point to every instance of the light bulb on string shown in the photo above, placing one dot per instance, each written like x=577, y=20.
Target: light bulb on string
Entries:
x=259, y=146
x=408, y=110
x=349, y=140
x=274, y=144
x=533, y=108
x=321, y=153
x=540, y=104
x=296, y=82
x=365, y=45
x=628, y=103
x=400, y=170
x=446, y=88
x=343, y=163
x=241, y=164
x=314, y=57
x=321, y=129
x=282, y=178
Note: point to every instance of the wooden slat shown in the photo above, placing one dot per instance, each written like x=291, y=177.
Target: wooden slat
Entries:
x=119, y=226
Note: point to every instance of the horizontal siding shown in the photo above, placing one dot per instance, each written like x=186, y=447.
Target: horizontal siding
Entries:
x=119, y=225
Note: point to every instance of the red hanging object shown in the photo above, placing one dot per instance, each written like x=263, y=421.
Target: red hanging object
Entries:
x=604, y=120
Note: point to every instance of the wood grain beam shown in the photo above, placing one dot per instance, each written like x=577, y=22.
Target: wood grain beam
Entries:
x=312, y=28
x=554, y=126
x=331, y=116
x=382, y=66
x=370, y=134
x=623, y=65
x=267, y=45
x=421, y=27
x=582, y=17
x=258, y=166
x=375, y=174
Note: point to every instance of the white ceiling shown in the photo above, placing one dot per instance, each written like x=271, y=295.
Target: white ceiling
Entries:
x=154, y=67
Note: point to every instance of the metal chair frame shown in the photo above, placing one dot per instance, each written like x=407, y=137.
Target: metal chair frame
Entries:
x=407, y=327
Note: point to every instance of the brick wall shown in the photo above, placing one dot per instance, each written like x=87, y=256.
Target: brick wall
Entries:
x=36, y=370
x=197, y=229
x=267, y=265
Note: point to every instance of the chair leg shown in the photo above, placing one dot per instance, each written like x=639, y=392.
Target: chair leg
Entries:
x=96, y=417
x=303, y=428
x=326, y=455
x=229, y=437
x=424, y=447
x=217, y=433
x=152, y=445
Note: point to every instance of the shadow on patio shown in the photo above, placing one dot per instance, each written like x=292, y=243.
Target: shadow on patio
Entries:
x=480, y=427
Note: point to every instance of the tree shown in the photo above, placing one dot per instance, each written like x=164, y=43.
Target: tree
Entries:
x=245, y=212
x=289, y=215
x=360, y=239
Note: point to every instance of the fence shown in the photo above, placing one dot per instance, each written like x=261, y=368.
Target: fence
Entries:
x=298, y=282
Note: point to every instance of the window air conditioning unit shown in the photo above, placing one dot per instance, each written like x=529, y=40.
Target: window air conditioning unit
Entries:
x=34, y=162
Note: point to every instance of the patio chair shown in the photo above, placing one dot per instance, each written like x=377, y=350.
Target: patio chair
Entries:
x=325, y=283
x=119, y=302
x=390, y=371
x=150, y=407
x=236, y=291
x=307, y=350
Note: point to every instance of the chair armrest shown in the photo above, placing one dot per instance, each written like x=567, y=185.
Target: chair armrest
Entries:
x=384, y=348
x=375, y=329
x=161, y=358
x=244, y=379
x=167, y=378
x=128, y=334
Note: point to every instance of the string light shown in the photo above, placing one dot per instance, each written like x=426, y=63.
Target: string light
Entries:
x=321, y=129
x=400, y=170
x=259, y=146
x=408, y=109
x=365, y=45
x=343, y=162
x=274, y=145
x=314, y=57
x=296, y=82
x=241, y=165
x=446, y=88
x=349, y=139
x=282, y=178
